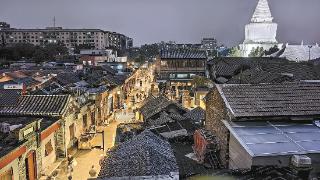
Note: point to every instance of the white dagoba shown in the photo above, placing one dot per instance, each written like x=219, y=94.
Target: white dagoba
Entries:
x=261, y=32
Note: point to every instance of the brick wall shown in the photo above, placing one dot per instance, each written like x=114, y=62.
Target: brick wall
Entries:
x=60, y=141
x=215, y=113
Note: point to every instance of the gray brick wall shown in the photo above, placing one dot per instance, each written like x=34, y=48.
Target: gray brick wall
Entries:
x=215, y=113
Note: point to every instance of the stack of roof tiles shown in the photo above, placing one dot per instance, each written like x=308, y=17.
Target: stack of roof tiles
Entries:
x=182, y=54
x=144, y=155
x=257, y=100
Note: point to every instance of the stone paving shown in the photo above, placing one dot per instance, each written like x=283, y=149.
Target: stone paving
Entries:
x=86, y=158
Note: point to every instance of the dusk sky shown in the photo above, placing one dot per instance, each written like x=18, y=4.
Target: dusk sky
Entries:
x=183, y=21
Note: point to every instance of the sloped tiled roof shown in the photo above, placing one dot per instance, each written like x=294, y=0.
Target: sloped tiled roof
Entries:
x=195, y=114
x=264, y=100
x=164, y=118
x=154, y=105
x=38, y=105
x=231, y=67
x=67, y=78
x=182, y=54
x=259, y=76
x=144, y=155
x=28, y=81
x=113, y=80
x=9, y=97
x=109, y=69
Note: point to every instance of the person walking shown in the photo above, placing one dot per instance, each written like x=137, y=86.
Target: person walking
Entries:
x=92, y=171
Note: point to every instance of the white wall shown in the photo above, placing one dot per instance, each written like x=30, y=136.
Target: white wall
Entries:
x=51, y=158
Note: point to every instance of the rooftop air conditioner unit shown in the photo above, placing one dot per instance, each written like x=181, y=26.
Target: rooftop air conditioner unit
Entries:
x=301, y=161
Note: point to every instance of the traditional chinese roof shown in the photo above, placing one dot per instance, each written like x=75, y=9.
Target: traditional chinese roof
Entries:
x=263, y=68
x=144, y=155
x=67, y=78
x=109, y=69
x=9, y=97
x=196, y=114
x=254, y=76
x=182, y=54
x=154, y=105
x=38, y=105
x=271, y=100
x=113, y=80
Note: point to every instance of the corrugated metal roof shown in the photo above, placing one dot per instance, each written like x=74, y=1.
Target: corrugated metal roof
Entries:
x=274, y=138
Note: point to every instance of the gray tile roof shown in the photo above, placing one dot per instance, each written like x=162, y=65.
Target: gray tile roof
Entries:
x=109, y=69
x=9, y=97
x=154, y=105
x=261, y=100
x=253, y=76
x=182, y=54
x=38, y=105
x=144, y=155
x=67, y=78
x=164, y=118
x=231, y=67
x=196, y=114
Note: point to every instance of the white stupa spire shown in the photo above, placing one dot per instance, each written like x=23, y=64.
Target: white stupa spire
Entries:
x=262, y=13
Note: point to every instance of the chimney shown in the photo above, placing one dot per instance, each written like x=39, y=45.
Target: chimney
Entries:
x=24, y=89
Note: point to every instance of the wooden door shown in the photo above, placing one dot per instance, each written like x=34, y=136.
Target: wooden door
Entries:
x=31, y=166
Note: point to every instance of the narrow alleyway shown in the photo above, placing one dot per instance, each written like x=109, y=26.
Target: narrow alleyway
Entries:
x=86, y=158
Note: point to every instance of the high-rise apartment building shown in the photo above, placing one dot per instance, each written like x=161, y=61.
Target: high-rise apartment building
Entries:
x=95, y=38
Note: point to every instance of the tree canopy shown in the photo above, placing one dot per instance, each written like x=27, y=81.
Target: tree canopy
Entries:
x=31, y=52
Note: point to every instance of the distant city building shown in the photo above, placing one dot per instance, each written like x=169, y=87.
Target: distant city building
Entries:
x=71, y=38
x=261, y=32
x=177, y=68
x=209, y=43
x=173, y=45
x=4, y=25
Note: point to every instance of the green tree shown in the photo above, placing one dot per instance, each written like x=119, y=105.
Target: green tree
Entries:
x=234, y=52
x=77, y=48
x=200, y=81
x=271, y=50
x=256, y=52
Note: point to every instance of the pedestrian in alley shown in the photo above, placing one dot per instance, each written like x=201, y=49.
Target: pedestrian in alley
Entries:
x=69, y=171
x=92, y=172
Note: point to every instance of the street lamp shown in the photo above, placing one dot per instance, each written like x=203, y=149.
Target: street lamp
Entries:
x=309, y=52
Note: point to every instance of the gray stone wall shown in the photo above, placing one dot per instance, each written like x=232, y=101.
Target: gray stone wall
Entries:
x=60, y=141
x=216, y=112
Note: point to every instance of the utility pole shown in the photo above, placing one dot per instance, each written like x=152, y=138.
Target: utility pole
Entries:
x=309, y=52
x=54, y=22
